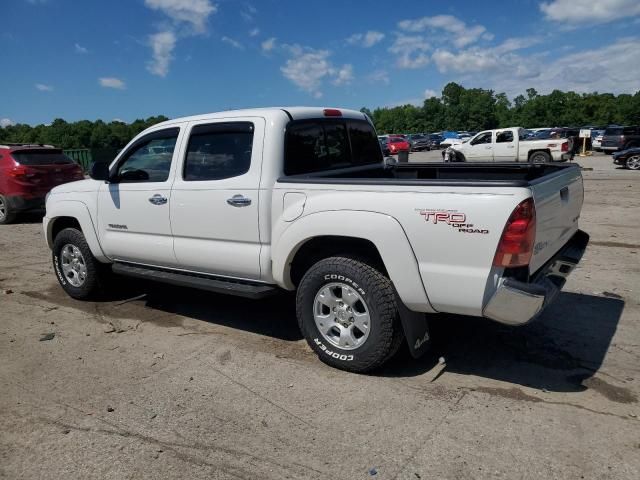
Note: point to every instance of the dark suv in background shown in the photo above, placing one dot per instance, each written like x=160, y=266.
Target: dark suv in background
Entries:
x=620, y=138
x=27, y=173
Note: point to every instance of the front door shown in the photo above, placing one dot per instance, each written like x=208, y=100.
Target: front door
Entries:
x=133, y=208
x=480, y=148
x=214, y=201
x=504, y=150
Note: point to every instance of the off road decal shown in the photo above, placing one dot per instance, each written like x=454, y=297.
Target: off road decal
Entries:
x=331, y=353
x=452, y=218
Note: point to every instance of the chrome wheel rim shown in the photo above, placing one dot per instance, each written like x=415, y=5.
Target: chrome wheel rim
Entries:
x=341, y=316
x=633, y=162
x=3, y=209
x=74, y=268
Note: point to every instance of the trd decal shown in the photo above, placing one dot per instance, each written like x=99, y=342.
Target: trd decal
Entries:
x=118, y=227
x=452, y=218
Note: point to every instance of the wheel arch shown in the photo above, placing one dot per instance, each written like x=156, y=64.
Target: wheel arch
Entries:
x=72, y=214
x=378, y=237
x=538, y=150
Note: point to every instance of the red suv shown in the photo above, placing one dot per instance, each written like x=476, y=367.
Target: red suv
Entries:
x=397, y=144
x=27, y=173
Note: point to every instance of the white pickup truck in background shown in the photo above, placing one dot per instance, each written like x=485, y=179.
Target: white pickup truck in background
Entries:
x=510, y=145
x=250, y=202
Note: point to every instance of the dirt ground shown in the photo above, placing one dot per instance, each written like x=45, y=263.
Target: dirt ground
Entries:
x=162, y=382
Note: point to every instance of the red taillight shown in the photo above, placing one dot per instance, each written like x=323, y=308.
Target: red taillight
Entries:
x=516, y=244
x=565, y=147
x=332, y=112
x=20, y=171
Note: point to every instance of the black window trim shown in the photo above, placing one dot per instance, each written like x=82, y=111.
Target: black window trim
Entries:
x=332, y=121
x=211, y=127
x=161, y=133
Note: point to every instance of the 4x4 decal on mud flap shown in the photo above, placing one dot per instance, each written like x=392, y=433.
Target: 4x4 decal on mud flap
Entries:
x=331, y=353
x=452, y=218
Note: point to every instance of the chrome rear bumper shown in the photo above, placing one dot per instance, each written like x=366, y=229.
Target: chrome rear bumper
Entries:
x=517, y=303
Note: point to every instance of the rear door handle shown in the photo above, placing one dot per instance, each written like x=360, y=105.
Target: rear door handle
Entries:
x=158, y=199
x=239, y=201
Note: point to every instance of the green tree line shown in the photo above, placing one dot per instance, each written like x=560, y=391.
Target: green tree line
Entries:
x=96, y=135
x=476, y=109
x=458, y=108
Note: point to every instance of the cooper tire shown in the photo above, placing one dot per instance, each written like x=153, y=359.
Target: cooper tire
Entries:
x=6, y=214
x=540, y=157
x=350, y=278
x=90, y=284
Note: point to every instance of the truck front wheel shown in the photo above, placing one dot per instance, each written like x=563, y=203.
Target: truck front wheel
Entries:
x=347, y=312
x=78, y=272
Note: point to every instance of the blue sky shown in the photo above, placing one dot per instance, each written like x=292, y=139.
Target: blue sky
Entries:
x=126, y=59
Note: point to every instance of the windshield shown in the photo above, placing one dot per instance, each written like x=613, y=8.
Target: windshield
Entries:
x=41, y=157
x=396, y=140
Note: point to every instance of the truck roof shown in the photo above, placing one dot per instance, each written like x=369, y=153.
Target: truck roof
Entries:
x=294, y=113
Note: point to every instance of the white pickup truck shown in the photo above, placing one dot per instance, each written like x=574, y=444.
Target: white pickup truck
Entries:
x=250, y=202
x=510, y=145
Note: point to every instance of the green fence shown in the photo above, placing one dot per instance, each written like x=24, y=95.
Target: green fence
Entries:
x=82, y=156
x=85, y=157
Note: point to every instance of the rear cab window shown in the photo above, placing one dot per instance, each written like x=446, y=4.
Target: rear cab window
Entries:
x=327, y=144
x=611, y=131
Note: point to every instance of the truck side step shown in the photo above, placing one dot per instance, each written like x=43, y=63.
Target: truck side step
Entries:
x=201, y=281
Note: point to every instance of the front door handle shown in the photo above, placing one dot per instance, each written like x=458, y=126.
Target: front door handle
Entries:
x=158, y=199
x=239, y=201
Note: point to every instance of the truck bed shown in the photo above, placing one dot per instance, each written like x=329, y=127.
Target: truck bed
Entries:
x=438, y=174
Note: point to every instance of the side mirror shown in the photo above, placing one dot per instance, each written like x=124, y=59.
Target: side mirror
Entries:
x=99, y=171
x=390, y=162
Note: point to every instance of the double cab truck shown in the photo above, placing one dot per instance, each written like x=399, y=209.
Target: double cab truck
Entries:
x=511, y=145
x=251, y=202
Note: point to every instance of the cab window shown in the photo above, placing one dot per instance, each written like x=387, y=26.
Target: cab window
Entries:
x=504, y=137
x=148, y=159
x=219, y=150
x=484, y=137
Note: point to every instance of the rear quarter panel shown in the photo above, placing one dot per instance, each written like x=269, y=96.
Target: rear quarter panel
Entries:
x=452, y=232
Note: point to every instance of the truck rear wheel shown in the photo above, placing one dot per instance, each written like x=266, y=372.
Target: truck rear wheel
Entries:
x=78, y=272
x=540, y=157
x=347, y=312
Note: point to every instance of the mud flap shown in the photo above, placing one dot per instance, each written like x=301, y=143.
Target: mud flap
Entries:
x=416, y=330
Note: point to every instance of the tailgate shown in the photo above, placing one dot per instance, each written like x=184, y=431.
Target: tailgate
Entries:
x=558, y=200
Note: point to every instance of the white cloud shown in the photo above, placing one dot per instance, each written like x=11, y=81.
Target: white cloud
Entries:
x=112, y=82
x=344, y=75
x=308, y=68
x=379, y=76
x=268, y=44
x=458, y=31
x=366, y=40
x=194, y=13
x=80, y=49
x=44, y=88
x=410, y=51
x=162, y=45
x=248, y=12
x=232, y=42
x=254, y=32
x=589, y=11
x=428, y=93
x=6, y=122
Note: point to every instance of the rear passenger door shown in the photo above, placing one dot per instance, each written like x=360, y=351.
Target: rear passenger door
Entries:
x=214, y=208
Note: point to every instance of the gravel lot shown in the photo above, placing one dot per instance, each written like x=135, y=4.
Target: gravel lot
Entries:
x=163, y=383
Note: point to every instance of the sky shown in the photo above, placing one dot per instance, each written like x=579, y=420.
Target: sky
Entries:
x=128, y=59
